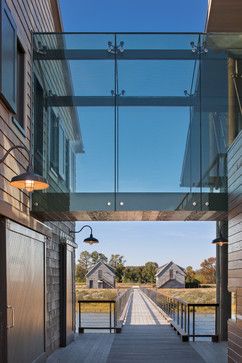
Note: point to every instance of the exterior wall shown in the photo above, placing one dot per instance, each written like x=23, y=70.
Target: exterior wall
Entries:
x=107, y=276
x=31, y=16
x=164, y=281
x=235, y=247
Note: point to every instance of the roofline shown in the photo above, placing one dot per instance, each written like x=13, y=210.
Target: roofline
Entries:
x=57, y=18
x=96, y=264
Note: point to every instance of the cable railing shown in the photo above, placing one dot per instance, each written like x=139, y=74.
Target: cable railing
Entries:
x=107, y=315
x=192, y=321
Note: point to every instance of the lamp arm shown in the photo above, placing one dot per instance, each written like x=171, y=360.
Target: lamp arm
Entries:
x=86, y=225
x=16, y=147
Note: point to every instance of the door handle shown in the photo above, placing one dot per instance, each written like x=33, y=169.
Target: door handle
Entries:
x=13, y=317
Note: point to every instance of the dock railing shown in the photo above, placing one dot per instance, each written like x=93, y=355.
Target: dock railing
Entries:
x=192, y=321
x=103, y=314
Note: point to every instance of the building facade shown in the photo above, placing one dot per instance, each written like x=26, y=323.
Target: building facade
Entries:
x=37, y=257
x=101, y=276
x=170, y=276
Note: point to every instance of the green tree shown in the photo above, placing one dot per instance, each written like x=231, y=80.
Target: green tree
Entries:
x=207, y=272
x=190, y=274
x=117, y=262
x=96, y=256
x=83, y=265
x=149, y=271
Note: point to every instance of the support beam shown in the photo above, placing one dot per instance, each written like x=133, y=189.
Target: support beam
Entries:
x=103, y=54
x=222, y=284
x=231, y=102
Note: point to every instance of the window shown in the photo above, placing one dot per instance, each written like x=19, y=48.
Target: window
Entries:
x=62, y=152
x=38, y=126
x=19, y=117
x=8, y=60
x=171, y=274
x=70, y=167
x=100, y=274
x=54, y=142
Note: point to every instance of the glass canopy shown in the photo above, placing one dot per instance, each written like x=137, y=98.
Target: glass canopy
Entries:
x=126, y=122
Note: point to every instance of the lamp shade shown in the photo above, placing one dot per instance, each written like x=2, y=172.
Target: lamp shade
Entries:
x=29, y=181
x=220, y=241
x=91, y=240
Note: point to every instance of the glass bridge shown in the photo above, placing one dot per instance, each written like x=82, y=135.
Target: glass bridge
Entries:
x=132, y=126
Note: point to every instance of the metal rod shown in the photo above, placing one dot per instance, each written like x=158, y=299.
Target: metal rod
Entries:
x=193, y=323
x=110, y=317
x=79, y=303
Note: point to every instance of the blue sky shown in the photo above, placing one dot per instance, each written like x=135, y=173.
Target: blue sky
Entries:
x=188, y=242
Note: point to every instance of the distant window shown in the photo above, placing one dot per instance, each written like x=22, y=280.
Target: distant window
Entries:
x=20, y=88
x=100, y=274
x=38, y=126
x=171, y=274
x=62, y=152
x=54, y=142
x=8, y=57
x=90, y=284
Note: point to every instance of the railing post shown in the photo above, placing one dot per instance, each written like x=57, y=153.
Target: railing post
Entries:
x=80, y=329
x=188, y=320
x=114, y=315
x=193, y=322
x=185, y=318
x=110, y=317
x=178, y=312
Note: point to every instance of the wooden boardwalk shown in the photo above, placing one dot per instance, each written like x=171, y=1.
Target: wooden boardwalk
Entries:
x=146, y=337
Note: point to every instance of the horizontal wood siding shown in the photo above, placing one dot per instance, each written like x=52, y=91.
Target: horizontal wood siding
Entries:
x=29, y=16
x=235, y=246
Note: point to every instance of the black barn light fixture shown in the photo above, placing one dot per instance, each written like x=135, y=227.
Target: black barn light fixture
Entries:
x=28, y=181
x=221, y=240
x=90, y=240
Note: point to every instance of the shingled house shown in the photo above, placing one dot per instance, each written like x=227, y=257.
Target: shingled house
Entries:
x=101, y=276
x=170, y=275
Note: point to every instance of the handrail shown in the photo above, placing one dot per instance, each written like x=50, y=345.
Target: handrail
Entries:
x=117, y=312
x=182, y=315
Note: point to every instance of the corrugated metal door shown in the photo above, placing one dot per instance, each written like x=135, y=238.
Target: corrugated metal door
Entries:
x=25, y=293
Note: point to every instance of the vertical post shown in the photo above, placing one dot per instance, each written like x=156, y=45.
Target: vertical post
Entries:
x=178, y=312
x=80, y=330
x=218, y=283
x=231, y=102
x=188, y=320
x=185, y=318
x=193, y=322
x=110, y=317
x=224, y=295
x=115, y=314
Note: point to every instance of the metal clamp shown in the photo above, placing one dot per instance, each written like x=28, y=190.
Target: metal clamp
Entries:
x=13, y=317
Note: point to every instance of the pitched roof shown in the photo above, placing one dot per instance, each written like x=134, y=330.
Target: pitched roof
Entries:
x=99, y=263
x=163, y=268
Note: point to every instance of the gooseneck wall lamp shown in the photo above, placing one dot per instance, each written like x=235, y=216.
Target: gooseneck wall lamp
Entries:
x=90, y=240
x=28, y=180
x=220, y=240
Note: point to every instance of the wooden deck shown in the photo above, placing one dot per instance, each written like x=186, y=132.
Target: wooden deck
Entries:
x=146, y=337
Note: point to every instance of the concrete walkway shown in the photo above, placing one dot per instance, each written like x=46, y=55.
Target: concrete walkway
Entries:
x=146, y=338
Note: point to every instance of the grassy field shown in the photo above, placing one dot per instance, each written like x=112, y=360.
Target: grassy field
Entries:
x=201, y=295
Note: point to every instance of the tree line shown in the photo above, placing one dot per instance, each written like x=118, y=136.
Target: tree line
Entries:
x=143, y=274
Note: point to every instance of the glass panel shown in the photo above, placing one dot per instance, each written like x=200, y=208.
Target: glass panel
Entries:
x=144, y=119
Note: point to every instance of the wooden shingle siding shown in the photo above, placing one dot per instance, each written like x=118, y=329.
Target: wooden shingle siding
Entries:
x=235, y=246
x=33, y=16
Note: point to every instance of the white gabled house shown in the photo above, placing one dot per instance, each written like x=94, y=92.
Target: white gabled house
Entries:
x=170, y=275
x=101, y=276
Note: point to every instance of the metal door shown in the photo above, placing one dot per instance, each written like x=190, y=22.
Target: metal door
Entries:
x=25, y=251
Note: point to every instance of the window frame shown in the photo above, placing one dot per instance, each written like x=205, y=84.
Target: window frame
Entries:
x=20, y=88
x=11, y=103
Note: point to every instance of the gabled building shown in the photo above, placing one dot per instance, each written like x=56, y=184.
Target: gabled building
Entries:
x=101, y=276
x=170, y=275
